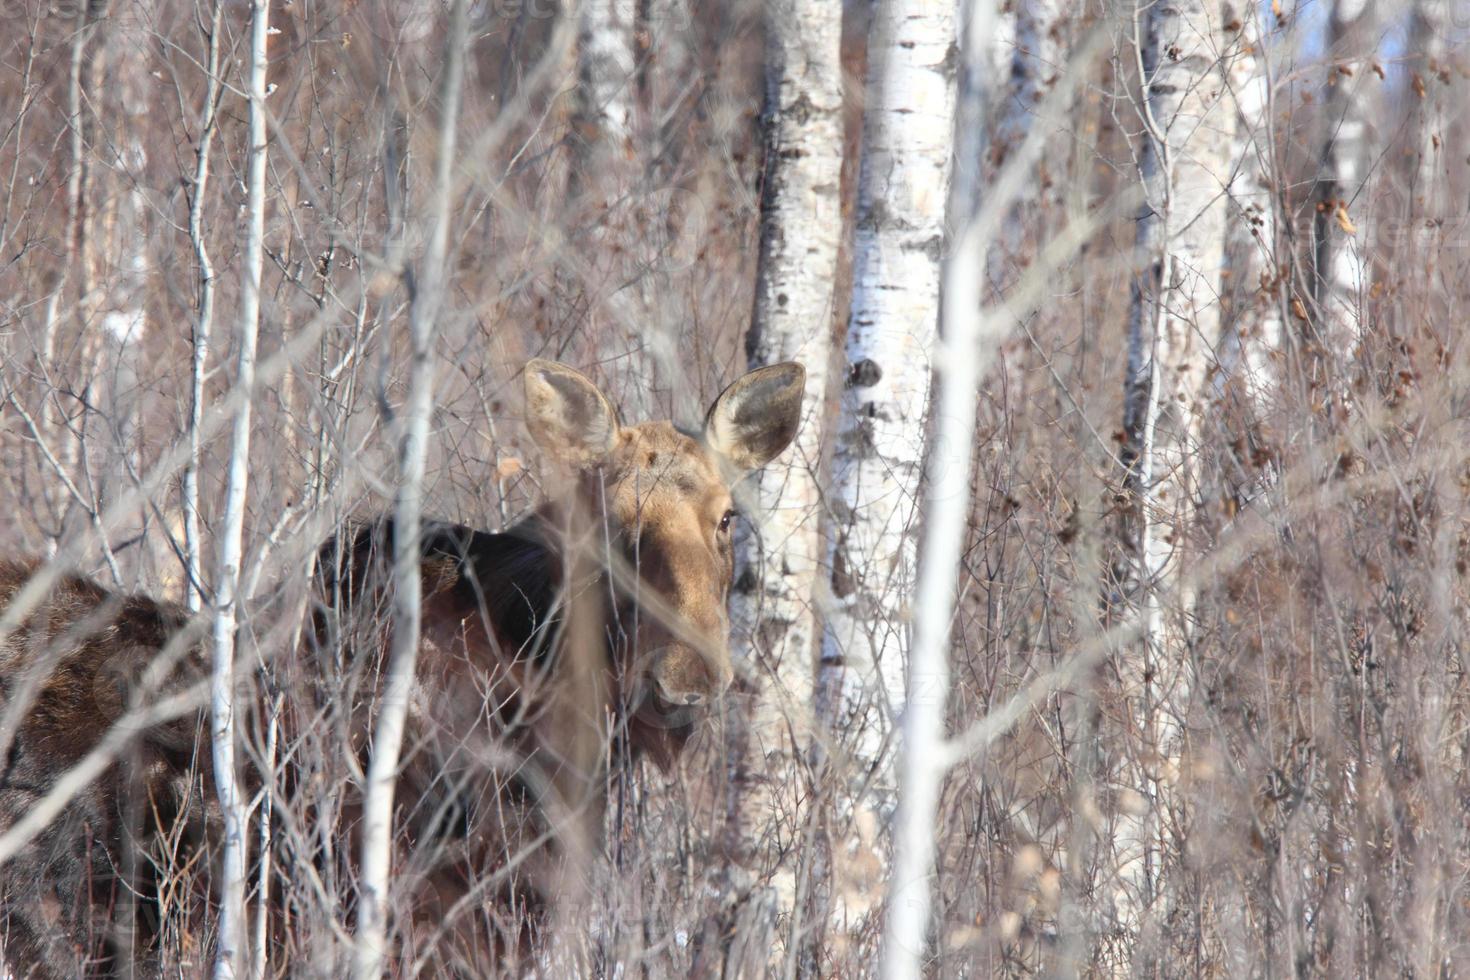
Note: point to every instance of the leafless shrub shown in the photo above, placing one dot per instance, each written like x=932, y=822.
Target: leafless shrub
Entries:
x=1313, y=814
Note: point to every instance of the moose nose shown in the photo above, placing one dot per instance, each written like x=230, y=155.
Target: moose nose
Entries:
x=683, y=677
x=689, y=698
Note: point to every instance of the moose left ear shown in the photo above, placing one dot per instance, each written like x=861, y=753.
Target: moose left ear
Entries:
x=566, y=414
x=755, y=418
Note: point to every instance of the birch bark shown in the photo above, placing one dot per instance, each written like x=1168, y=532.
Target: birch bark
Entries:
x=1035, y=64
x=80, y=127
x=605, y=65
x=204, y=320
x=76, y=269
x=426, y=299
x=948, y=466
x=120, y=63
x=231, y=939
x=772, y=609
x=1431, y=75
x=908, y=126
x=1340, y=271
x=1173, y=330
x=1251, y=351
x=603, y=176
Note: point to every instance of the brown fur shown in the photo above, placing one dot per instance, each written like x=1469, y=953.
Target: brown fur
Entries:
x=79, y=897
x=598, y=622
x=636, y=659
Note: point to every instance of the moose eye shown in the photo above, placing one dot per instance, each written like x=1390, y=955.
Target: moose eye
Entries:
x=725, y=521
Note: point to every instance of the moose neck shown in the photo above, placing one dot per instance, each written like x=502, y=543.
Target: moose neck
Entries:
x=544, y=584
x=541, y=582
x=594, y=627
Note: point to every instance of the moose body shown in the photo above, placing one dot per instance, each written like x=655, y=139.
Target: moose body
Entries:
x=86, y=889
x=595, y=629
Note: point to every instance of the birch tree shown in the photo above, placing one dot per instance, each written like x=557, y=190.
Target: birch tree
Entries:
x=81, y=131
x=1340, y=266
x=1173, y=329
x=124, y=261
x=888, y=354
x=773, y=613
x=1258, y=284
x=204, y=318
x=231, y=539
x=1034, y=66
x=605, y=62
x=947, y=500
x=1251, y=350
x=603, y=171
x=74, y=282
x=1429, y=82
x=426, y=299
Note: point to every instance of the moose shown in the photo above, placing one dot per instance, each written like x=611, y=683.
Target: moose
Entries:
x=590, y=634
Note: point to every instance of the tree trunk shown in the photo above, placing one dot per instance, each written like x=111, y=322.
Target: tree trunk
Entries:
x=603, y=174
x=1250, y=351
x=773, y=612
x=231, y=939
x=81, y=126
x=1340, y=270
x=605, y=64
x=947, y=495
x=204, y=322
x=1431, y=74
x=119, y=64
x=1173, y=330
x=1035, y=64
x=426, y=299
x=1258, y=283
x=881, y=432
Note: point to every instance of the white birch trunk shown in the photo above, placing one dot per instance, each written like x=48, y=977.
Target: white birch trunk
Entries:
x=1035, y=64
x=123, y=259
x=1340, y=279
x=772, y=606
x=605, y=63
x=923, y=756
x=425, y=303
x=800, y=226
x=1032, y=40
x=604, y=171
x=77, y=217
x=1250, y=354
x=882, y=431
x=1188, y=124
x=204, y=321
x=1432, y=71
x=667, y=74
x=78, y=256
x=231, y=938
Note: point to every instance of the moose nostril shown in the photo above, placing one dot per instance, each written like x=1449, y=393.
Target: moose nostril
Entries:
x=692, y=699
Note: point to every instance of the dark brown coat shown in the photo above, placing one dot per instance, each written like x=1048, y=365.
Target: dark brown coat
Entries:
x=75, y=661
x=596, y=628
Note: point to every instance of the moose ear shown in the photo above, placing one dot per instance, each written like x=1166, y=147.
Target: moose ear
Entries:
x=568, y=417
x=757, y=417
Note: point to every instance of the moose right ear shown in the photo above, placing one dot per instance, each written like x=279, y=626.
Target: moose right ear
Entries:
x=568, y=417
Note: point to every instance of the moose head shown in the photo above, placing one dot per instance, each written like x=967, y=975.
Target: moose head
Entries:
x=663, y=513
